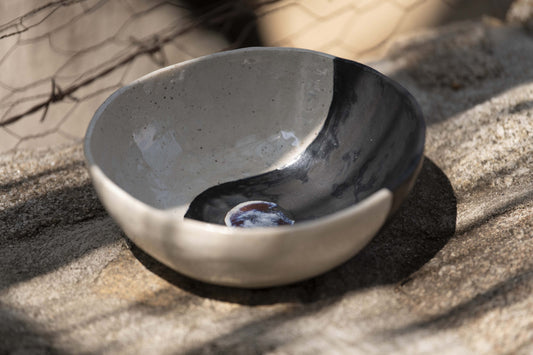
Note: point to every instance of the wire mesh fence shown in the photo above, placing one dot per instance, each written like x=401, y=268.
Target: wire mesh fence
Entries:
x=60, y=59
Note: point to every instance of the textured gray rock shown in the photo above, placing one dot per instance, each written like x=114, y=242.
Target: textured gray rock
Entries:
x=451, y=273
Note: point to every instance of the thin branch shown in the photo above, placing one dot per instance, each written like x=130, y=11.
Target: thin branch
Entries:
x=55, y=5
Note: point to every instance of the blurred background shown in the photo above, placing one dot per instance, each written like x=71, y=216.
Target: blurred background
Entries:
x=60, y=59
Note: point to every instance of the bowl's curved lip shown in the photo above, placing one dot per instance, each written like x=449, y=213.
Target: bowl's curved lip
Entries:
x=97, y=173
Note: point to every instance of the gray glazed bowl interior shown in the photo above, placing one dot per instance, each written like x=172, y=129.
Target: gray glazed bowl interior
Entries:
x=174, y=151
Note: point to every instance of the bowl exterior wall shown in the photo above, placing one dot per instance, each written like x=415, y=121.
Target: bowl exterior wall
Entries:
x=245, y=258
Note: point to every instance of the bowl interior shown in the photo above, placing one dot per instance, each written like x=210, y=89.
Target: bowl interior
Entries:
x=308, y=131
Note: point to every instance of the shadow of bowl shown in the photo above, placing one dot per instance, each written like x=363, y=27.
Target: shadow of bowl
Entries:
x=322, y=148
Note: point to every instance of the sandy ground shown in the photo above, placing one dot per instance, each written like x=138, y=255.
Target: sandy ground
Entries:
x=452, y=273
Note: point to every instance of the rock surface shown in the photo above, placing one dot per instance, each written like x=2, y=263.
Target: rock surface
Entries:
x=451, y=273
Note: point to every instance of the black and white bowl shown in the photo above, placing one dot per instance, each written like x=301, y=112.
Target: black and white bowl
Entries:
x=314, y=151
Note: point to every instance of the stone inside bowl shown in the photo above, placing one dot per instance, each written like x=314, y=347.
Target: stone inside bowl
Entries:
x=306, y=134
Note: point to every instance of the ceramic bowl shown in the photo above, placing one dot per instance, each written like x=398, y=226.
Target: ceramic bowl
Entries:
x=326, y=144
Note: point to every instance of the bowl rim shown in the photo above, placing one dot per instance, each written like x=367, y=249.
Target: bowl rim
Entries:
x=168, y=215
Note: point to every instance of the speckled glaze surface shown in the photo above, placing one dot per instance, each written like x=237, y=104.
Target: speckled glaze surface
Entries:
x=331, y=143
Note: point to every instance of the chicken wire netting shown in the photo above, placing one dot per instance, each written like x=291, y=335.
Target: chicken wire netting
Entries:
x=60, y=59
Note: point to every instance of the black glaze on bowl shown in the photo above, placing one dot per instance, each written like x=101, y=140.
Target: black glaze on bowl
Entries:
x=372, y=138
